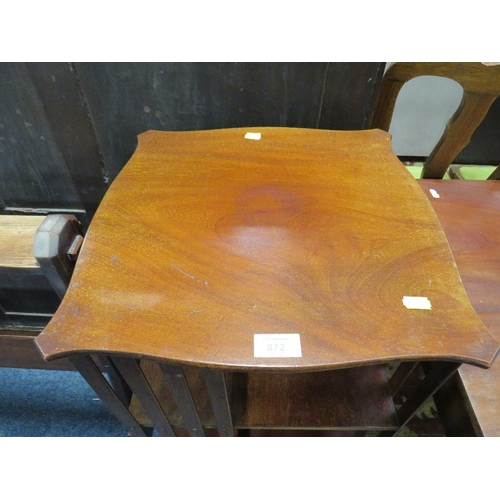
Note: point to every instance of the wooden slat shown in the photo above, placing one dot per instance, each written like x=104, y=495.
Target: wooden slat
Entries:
x=92, y=374
x=176, y=382
x=218, y=393
x=17, y=233
x=135, y=378
x=400, y=376
x=437, y=374
x=156, y=380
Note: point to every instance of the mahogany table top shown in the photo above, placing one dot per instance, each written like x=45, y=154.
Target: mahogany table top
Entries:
x=208, y=238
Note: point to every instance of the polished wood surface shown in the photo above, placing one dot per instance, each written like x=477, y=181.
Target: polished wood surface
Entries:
x=206, y=238
x=468, y=211
x=481, y=85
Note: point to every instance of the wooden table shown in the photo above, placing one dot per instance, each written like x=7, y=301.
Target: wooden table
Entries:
x=319, y=239
x=468, y=211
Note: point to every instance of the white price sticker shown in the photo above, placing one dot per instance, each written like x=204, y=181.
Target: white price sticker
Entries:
x=417, y=302
x=277, y=345
x=254, y=136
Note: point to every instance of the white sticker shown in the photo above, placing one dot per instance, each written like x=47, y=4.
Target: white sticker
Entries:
x=417, y=302
x=277, y=345
x=254, y=136
x=434, y=193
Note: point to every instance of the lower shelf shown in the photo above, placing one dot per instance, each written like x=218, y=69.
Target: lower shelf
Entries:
x=354, y=399
x=350, y=399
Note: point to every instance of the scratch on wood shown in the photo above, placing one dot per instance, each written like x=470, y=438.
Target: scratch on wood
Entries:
x=181, y=271
x=195, y=312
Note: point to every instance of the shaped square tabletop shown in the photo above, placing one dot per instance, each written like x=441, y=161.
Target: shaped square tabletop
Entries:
x=208, y=238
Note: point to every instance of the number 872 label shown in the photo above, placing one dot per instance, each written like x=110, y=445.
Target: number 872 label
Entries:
x=277, y=345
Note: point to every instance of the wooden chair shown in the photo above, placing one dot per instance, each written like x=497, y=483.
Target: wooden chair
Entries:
x=481, y=85
x=258, y=280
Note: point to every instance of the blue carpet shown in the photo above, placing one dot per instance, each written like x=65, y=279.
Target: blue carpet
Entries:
x=50, y=403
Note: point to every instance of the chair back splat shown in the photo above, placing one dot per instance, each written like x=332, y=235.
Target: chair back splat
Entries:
x=481, y=86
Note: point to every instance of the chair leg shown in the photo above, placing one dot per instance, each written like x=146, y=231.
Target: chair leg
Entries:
x=92, y=374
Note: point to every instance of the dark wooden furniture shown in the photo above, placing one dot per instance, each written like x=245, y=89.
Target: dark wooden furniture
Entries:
x=39, y=278
x=481, y=85
x=207, y=240
x=468, y=212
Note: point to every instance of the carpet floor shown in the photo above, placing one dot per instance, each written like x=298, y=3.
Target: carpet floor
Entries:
x=35, y=403
x=52, y=403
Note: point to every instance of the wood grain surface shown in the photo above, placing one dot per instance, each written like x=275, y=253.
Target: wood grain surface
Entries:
x=468, y=211
x=207, y=238
x=17, y=234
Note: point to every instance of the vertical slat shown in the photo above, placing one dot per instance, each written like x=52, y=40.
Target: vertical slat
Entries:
x=400, y=376
x=455, y=413
x=135, y=378
x=436, y=375
x=91, y=373
x=117, y=382
x=217, y=392
x=177, y=385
